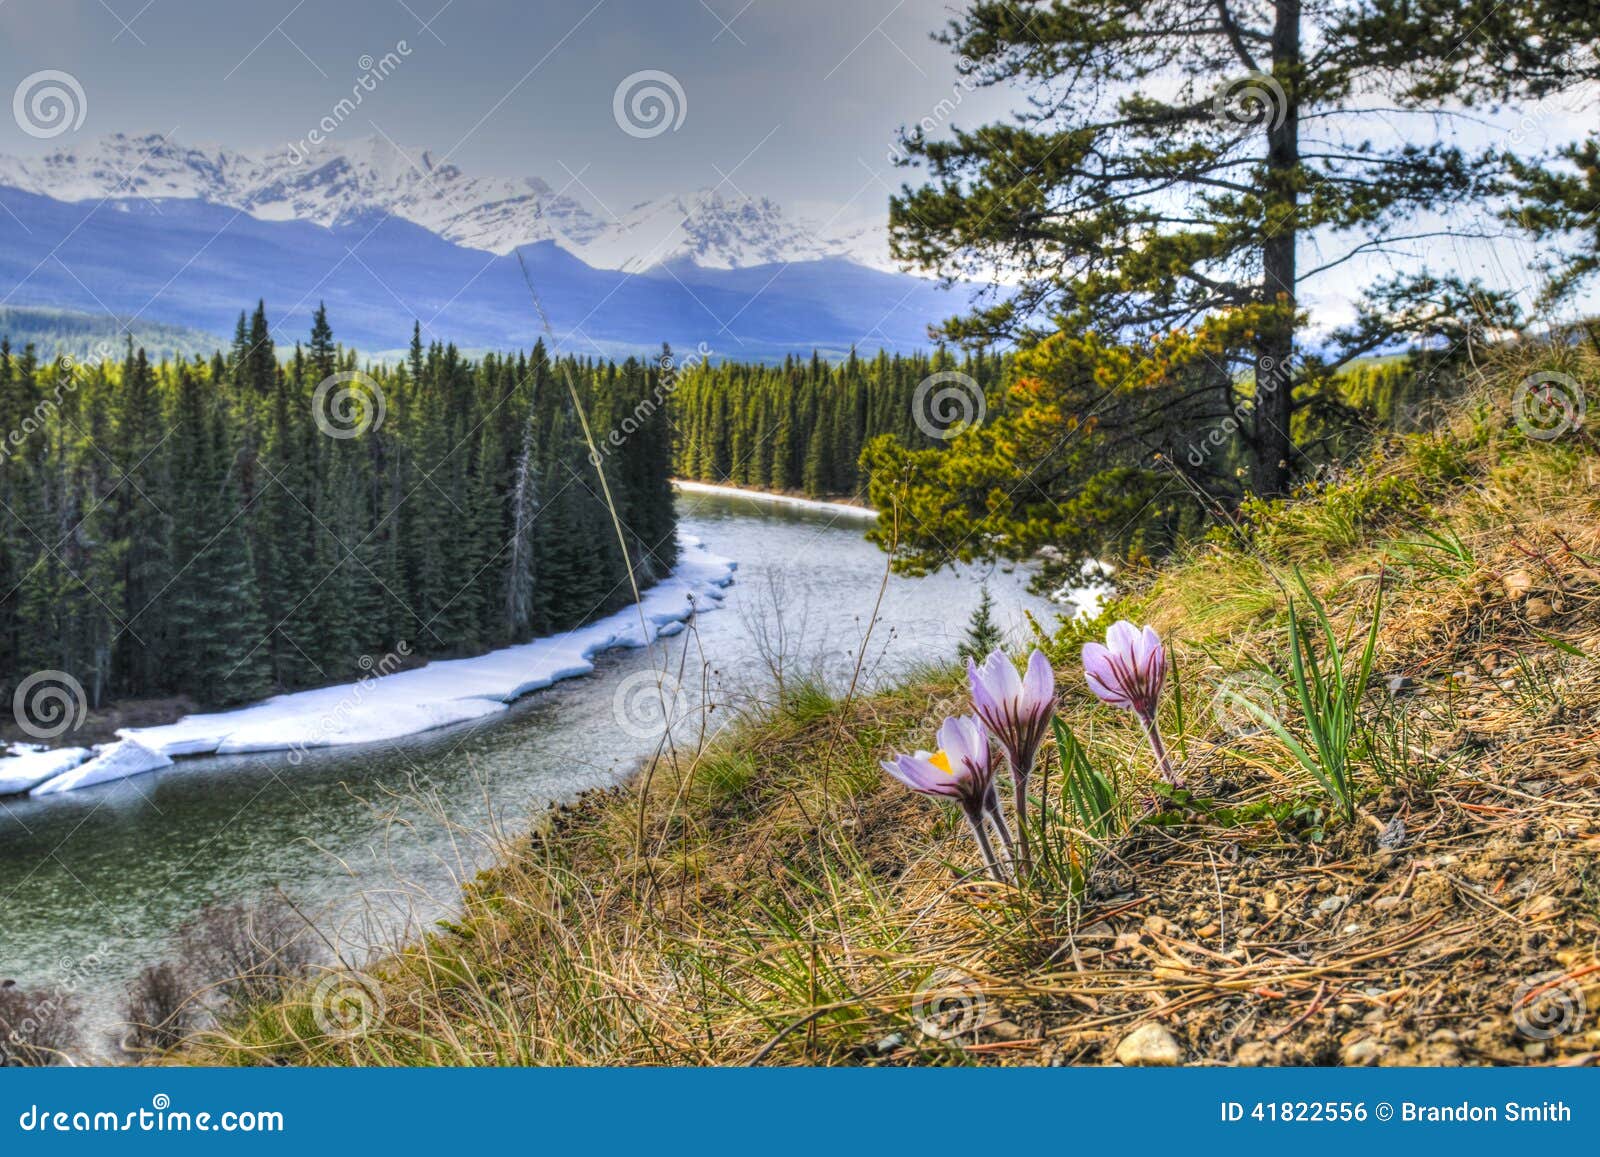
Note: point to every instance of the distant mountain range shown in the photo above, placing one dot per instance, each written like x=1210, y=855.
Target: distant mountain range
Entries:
x=152, y=231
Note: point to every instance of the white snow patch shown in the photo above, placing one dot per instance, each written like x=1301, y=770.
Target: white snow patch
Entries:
x=843, y=508
x=26, y=765
x=114, y=761
x=381, y=707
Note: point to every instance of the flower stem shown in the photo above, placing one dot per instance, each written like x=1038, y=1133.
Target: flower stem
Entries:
x=1019, y=783
x=975, y=822
x=1163, y=761
x=997, y=816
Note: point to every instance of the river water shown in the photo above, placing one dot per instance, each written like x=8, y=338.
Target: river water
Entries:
x=371, y=842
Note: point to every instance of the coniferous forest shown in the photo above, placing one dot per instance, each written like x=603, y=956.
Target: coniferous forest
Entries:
x=801, y=426
x=261, y=520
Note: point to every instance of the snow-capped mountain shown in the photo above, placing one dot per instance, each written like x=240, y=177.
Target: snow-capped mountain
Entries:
x=720, y=232
x=344, y=184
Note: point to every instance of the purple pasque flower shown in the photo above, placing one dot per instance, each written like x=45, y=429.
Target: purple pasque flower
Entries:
x=1017, y=709
x=1129, y=670
x=961, y=770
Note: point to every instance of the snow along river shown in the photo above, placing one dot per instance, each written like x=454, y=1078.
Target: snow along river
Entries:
x=372, y=839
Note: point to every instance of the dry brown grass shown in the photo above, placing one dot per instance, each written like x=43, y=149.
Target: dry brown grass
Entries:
x=773, y=899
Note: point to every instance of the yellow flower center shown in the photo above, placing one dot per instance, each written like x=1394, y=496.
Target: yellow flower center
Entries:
x=942, y=761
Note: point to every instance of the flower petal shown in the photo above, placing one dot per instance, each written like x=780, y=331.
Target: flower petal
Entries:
x=1100, y=669
x=1123, y=639
x=917, y=773
x=982, y=699
x=1001, y=677
x=1039, y=684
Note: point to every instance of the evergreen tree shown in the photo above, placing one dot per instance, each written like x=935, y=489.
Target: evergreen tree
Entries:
x=983, y=633
x=1182, y=158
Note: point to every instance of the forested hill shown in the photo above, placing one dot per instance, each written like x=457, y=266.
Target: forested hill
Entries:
x=801, y=426
x=266, y=519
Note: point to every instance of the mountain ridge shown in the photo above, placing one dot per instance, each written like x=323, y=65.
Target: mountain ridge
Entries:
x=336, y=184
x=196, y=264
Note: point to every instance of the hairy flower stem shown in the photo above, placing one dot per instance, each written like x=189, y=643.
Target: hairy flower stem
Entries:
x=1019, y=784
x=975, y=822
x=997, y=816
x=1163, y=761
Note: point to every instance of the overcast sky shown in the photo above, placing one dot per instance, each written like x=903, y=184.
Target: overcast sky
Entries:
x=799, y=100
x=794, y=99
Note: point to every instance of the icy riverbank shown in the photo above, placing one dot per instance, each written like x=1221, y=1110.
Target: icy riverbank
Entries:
x=384, y=706
x=843, y=508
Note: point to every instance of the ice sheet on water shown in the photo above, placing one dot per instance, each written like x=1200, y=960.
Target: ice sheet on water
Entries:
x=387, y=706
x=114, y=761
x=26, y=765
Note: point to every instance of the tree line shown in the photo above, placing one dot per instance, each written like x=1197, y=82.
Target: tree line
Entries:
x=801, y=426
x=259, y=522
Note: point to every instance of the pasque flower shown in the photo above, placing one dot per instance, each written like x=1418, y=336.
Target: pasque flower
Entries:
x=1017, y=709
x=1128, y=670
x=961, y=770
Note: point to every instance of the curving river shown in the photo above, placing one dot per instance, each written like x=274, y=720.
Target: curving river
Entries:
x=372, y=841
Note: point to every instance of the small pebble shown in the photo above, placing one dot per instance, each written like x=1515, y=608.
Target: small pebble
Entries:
x=1151, y=1045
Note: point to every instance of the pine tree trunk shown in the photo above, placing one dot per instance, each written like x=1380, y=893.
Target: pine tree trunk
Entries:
x=1273, y=446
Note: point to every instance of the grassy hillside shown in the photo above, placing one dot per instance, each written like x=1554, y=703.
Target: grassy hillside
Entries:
x=775, y=898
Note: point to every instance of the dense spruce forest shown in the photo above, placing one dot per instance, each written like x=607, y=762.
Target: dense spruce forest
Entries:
x=801, y=426
x=264, y=519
